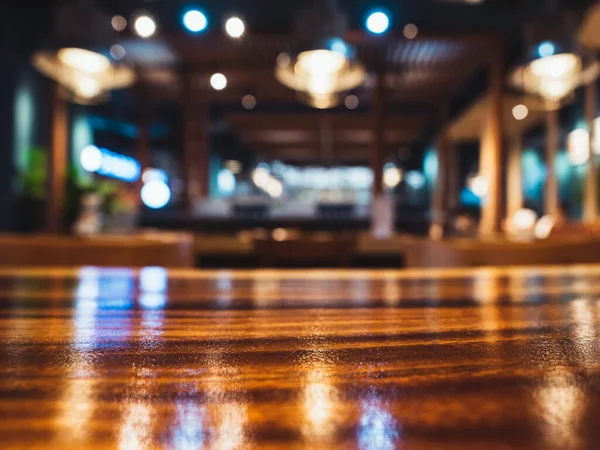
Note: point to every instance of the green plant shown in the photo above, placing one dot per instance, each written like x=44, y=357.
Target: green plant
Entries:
x=33, y=178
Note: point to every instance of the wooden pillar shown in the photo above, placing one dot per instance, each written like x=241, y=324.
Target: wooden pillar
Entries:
x=491, y=160
x=551, y=198
x=590, y=205
x=57, y=165
x=453, y=174
x=378, y=138
x=196, y=155
x=514, y=177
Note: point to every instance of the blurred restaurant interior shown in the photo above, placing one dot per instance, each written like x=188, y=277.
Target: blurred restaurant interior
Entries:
x=299, y=224
x=304, y=134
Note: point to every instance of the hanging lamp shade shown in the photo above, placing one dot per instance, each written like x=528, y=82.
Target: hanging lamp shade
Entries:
x=322, y=66
x=589, y=32
x=74, y=57
x=552, y=67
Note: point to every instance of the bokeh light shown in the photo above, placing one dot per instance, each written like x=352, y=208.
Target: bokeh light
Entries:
x=156, y=194
x=119, y=23
x=378, y=22
x=218, y=81
x=195, y=21
x=145, y=26
x=235, y=27
x=520, y=112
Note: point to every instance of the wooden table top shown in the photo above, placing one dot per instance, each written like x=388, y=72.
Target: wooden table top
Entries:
x=458, y=359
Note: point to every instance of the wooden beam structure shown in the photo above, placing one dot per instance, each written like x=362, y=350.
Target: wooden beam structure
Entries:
x=491, y=160
x=590, y=206
x=377, y=136
x=514, y=177
x=57, y=165
x=551, y=198
x=439, y=194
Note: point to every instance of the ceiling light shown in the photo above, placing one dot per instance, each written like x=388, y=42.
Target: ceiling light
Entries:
x=86, y=75
x=323, y=67
x=235, y=27
x=218, y=81
x=320, y=75
x=351, y=102
x=378, y=22
x=119, y=23
x=144, y=26
x=551, y=68
x=84, y=60
x=249, y=101
x=520, y=112
x=195, y=21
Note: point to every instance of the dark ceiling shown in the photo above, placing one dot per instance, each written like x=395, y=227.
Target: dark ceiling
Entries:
x=266, y=18
x=430, y=15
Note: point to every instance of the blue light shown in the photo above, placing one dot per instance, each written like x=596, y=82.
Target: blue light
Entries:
x=195, y=21
x=378, y=22
x=156, y=194
x=338, y=45
x=109, y=164
x=226, y=182
x=546, y=49
x=415, y=180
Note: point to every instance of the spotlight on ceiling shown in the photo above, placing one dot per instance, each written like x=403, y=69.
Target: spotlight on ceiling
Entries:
x=144, y=26
x=235, y=27
x=520, y=112
x=218, y=81
x=378, y=22
x=195, y=21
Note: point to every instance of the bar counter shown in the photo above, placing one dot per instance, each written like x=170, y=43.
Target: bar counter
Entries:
x=419, y=359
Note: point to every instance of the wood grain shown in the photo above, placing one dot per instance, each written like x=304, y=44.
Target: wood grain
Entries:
x=458, y=359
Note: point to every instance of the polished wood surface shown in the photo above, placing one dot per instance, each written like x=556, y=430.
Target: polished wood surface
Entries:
x=454, y=359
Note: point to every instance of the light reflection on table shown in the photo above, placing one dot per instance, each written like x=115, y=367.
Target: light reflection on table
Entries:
x=369, y=360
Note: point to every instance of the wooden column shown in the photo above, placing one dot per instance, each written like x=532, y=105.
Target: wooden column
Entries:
x=57, y=165
x=514, y=177
x=491, y=160
x=378, y=138
x=453, y=173
x=551, y=198
x=196, y=169
x=590, y=205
